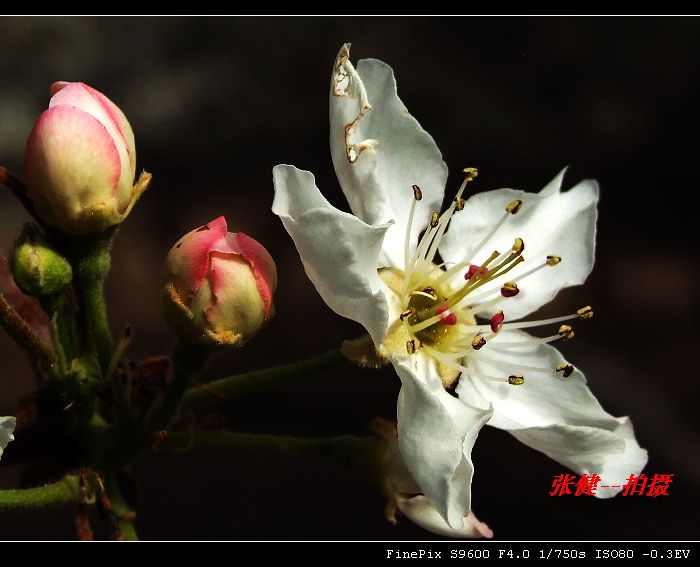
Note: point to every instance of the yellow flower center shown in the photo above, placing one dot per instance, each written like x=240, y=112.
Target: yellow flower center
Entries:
x=437, y=305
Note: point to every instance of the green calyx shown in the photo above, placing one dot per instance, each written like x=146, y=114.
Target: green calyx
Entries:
x=38, y=269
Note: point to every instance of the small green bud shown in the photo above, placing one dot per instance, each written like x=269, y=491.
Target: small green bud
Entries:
x=39, y=270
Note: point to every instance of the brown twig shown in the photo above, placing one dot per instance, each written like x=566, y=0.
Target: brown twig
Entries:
x=19, y=189
x=23, y=334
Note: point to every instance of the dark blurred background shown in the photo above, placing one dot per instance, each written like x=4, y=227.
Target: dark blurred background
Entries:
x=216, y=103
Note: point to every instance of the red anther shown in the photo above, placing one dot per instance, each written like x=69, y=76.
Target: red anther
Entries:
x=510, y=290
x=429, y=290
x=497, y=321
x=473, y=269
x=449, y=318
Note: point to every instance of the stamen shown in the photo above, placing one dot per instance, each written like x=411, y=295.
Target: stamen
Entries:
x=459, y=267
x=473, y=269
x=486, y=238
x=425, y=324
x=510, y=262
x=458, y=204
x=514, y=206
x=449, y=361
x=423, y=245
x=517, y=261
x=448, y=318
x=532, y=341
x=426, y=307
x=457, y=296
x=437, y=317
x=424, y=294
x=407, y=313
x=510, y=289
x=565, y=368
x=480, y=307
x=417, y=196
x=514, y=258
x=517, y=248
x=541, y=322
x=521, y=277
x=488, y=338
x=470, y=174
x=566, y=332
x=434, y=219
x=497, y=321
x=415, y=259
x=585, y=312
x=516, y=380
x=533, y=270
x=482, y=270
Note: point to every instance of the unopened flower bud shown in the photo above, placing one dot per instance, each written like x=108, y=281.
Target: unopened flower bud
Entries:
x=38, y=269
x=80, y=161
x=218, y=286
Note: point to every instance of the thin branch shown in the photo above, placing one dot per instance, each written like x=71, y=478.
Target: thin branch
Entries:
x=362, y=453
x=261, y=380
x=23, y=334
x=64, y=491
x=19, y=189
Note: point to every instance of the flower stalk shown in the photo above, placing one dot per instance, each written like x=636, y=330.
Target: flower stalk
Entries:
x=240, y=385
x=91, y=262
x=362, y=453
x=55, y=330
x=64, y=491
x=188, y=360
x=123, y=516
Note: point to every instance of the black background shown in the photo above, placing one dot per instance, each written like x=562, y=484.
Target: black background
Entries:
x=216, y=103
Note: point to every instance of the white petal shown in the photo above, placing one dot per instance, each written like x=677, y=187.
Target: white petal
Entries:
x=339, y=251
x=612, y=454
x=421, y=512
x=436, y=435
x=7, y=427
x=550, y=223
x=556, y=415
x=379, y=151
x=554, y=186
x=400, y=477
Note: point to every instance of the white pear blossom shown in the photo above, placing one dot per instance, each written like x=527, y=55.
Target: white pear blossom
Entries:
x=452, y=322
x=7, y=428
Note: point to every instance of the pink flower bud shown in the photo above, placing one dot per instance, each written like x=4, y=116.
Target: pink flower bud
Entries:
x=218, y=285
x=80, y=161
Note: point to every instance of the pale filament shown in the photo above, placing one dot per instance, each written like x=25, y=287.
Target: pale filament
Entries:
x=431, y=237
